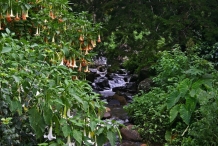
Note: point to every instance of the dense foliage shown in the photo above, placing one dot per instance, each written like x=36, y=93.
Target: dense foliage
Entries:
x=44, y=49
x=186, y=95
x=139, y=29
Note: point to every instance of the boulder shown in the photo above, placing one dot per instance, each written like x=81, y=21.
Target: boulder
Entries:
x=128, y=133
x=102, y=82
x=145, y=85
x=107, y=115
x=121, y=99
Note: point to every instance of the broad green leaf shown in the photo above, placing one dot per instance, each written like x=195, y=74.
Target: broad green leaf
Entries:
x=17, y=79
x=93, y=125
x=101, y=139
x=174, y=112
x=36, y=122
x=47, y=115
x=7, y=30
x=183, y=86
x=190, y=103
x=168, y=136
x=111, y=136
x=78, y=136
x=66, y=130
x=185, y=114
x=173, y=99
x=73, y=93
x=15, y=106
x=6, y=49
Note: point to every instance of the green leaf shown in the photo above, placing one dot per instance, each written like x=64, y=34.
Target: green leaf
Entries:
x=190, y=103
x=111, y=136
x=184, y=86
x=15, y=106
x=8, y=31
x=78, y=136
x=101, y=139
x=47, y=115
x=173, y=99
x=66, y=130
x=17, y=79
x=6, y=49
x=174, y=112
x=73, y=93
x=185, y=114
x=36, y=122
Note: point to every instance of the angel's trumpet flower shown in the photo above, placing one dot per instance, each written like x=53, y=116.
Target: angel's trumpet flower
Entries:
x=50, y=135
x=68, y=113
x=27, y=13
x=80, y=67
x=74, y=77
x=86, y=52
x=17, y=17
x=53, y=39
x=74, y=63
x=8, y=17
x=23, y=15
x=99, y=38
x=62, y=62
x=69, y=143
x=1, y=28
x=81, y=38
x=37, y=32
x=11, y=15
x=93, y=42
x=87, y=69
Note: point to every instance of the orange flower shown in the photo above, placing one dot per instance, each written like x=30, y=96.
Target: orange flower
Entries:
x=99, y=39
x=81, y=38
x=87, y=69
x=17, y=17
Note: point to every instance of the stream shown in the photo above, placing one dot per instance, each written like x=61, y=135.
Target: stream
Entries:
x=117, y=89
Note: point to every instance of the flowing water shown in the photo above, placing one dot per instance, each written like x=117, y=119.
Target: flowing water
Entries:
x=105, y=83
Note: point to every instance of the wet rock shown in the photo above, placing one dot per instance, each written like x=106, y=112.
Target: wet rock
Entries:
x=131, y=87
x=121, y=99
x=91, y=76
x=113, y=102
x=107, y=115
x=101, y=68
x=146, y=72
x=122, y=72
x=128, y=133
x=134, y=78
x=145, y=85
x=102, y=82
x=119, y=89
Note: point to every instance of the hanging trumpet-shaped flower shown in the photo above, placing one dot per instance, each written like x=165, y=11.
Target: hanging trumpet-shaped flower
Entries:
x=87, y=69
x=80, y=67
x=27, y=13
x=70, y=65
x=74, y=63
x=69, y=143
x=99, y=38
x=81, y=38
x=37, y=31
x=93, y=42
x=8, y=17
x=50, y=135
x=86, y=51
x=11, y=15
x=1, y=28
x=62, y=62
x=23, y=15
x=53, y=39
x=74, y=77
x=68, y=113
x=17, y=17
